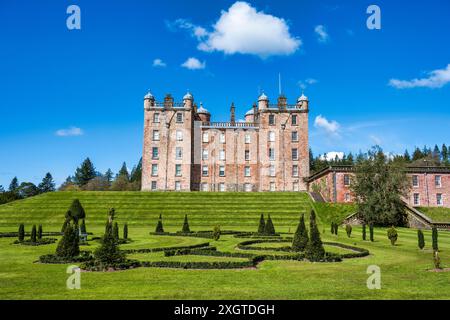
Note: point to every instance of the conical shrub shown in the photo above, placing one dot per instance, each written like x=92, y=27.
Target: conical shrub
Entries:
x=262, y=225
x=301, y=236
x=314, y=249
x=269, y=229
x=186, y=228
x=159, y=225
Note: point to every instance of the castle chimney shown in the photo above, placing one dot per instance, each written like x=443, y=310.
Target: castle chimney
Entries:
x=232, y=114
x=255, y=110
x=168, y=101
x=282, y=102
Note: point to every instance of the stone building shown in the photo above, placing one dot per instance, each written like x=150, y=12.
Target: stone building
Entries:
x=185, y=151
x=430, y=185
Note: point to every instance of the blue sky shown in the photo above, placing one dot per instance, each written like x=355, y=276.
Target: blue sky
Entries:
x=68, y=94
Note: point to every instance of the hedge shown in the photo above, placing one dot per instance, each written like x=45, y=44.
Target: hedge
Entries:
x=150, y=250
x=54, y=259
x=39, y=242
x=360, y=252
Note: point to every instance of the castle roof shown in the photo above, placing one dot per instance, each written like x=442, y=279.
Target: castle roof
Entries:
x=302, y=98
x=249, y=112
x=188, y=96
x=202, y=110
x=263, y=97
x=149, y=96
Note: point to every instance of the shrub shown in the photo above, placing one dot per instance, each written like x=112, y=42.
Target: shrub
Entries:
x=392, y=235
x=66, y=221
x=421, y=239
x=77, y=211
x=436, y=259
x=371, y=231
x=108, y=254
x=33, y=234
x=68, y=246
x=115, y=231
x=186, y=228
x=364, y=231
x=269, y=229
x=332, y=228
x=83, y=227
x=348, y=229
x=301, y=236
x=216, y=233
x=262, y=225
x=125, y=231
x=39, y=234
x=21, y=234
x=434, y=237
x=336, y=228
x=314, y=250
x=159, y=226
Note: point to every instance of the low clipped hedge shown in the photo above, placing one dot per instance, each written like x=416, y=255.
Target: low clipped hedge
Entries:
x=150, y=250
x=360, y=252
x=54, y=259
x=93, y=265
x=28, y=234
x=245, y=244
x=39, y=242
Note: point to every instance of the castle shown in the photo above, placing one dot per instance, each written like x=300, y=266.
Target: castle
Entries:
x=185, y=151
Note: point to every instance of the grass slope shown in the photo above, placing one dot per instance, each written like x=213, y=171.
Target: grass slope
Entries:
x=436, y=214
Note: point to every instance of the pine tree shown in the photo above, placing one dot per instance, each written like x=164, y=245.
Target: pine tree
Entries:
x=108, y=177
x=123, y=172
x=434, y=237
x=159, y=226
x=115, y=231
x=406, y=156
x=125, y=231
x=417, y=155
x=136, y=173
x=301, y=236
x=421, y=239
x=262, y=225
x=77, y=211
x=39, y=234
x=21, y=234
x=47, y=184
x=68, y=246
x=14, y=185
x=269, y=229
x=33, y=234
x=348, y=229
x=314, y=249
x=371, y=232
x=445, y=154
x=186, y=228
x=364, y=231
x=85, y=173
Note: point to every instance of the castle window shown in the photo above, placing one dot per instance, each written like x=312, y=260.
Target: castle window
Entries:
x=155, y=153
x=222, y=155
x=222, y=137
x=271, y=119
x=177, y=185
x=294, y=136
x=205, y=137
x=156, y=117
x=155, y=135
x=437, y=181
x=247, y=155
x=294, y=120
x=205, y=154
x=221, y=187
x=205, y=171
x=247, y=171
x=179, y=135
x=415, y=181
x=295, y=170
x=204, y=187
x=271, y=136
x=153, y=185
x=179, y=153
x=248, y=187
x=416, y=199
x=154, y=170
x=247, y=138
x=347, y=197
x=272, y=186
x=178, y=170
x=439, y=201
x=346, y=180
x=222, y=171
x=295, y=186
x=272, y=170
x=179, y=117
x=294, y=154
x=271, y=154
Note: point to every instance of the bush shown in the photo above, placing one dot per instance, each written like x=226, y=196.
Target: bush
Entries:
x=336, y=228
x=216, y=233
x=348, y=229
x=436, y=259
x=392, y=235
x=262, y=225
x=76, y=211
x=125, y=231
x=33, y=237
x=39, y=234
x=314, y=250
x=83, y=227
x=186, y=228
x=332, y=228
x=269, y=229
x=21, y=234
x=301, y=236
x=68, y=246
x=115, y=232
x=108, y=254
x=371, y=232
x=364, y=231
x=434, y=237
x=159, y=226
x=421, y=239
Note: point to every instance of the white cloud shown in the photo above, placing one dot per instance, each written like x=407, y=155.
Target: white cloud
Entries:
x=331, y=127
x=437, y=79
x=329, y=156
x=375, y=139
x=303, y=84
x=322, y=34
x=159, y=63
x=193, y=64
x=72, y=131
x=242, y=29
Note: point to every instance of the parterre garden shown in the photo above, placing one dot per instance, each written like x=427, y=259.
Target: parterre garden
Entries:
x=242, y=261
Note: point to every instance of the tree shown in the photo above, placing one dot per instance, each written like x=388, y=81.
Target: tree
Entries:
x=69, y=185
x=108, y=177
x=125, y=231
x=115, y=231
x=392, y=235
x=269, y=229
x=39, y=234
x=336, y=228
x=348, y=229
x=364, y=231
x=136, y=176
x=1, y=189
x=301, y=236
x=159, y=226
x=216, y=233
x=47, y=184
x=85, y=173
x=371, y=232
x=123, y=172
x=33, y=237
x=262, y=225
x=417, y=154
x=121, y=183
x=445, y=154
x=314, y=249
x=379, y=187
x=27, y=189
x=99, y=183
x=14, y=185
x=406, y=156
x=77, y=211
x=108, y=254
x=421, y=239
x=186, y=228
x=434, y=237
x=68, y=246
x=21, y=234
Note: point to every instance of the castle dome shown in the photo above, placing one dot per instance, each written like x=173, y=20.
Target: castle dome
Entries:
x=188, y=96
x=302, y=98
x=149, y=96
x=202, y=110
x=263, y=97
x=249, y=112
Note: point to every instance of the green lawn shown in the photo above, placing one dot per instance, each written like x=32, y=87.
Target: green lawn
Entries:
x=404, y=268
x=436, y=214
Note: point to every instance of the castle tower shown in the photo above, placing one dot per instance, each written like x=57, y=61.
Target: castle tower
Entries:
x=263, y=102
